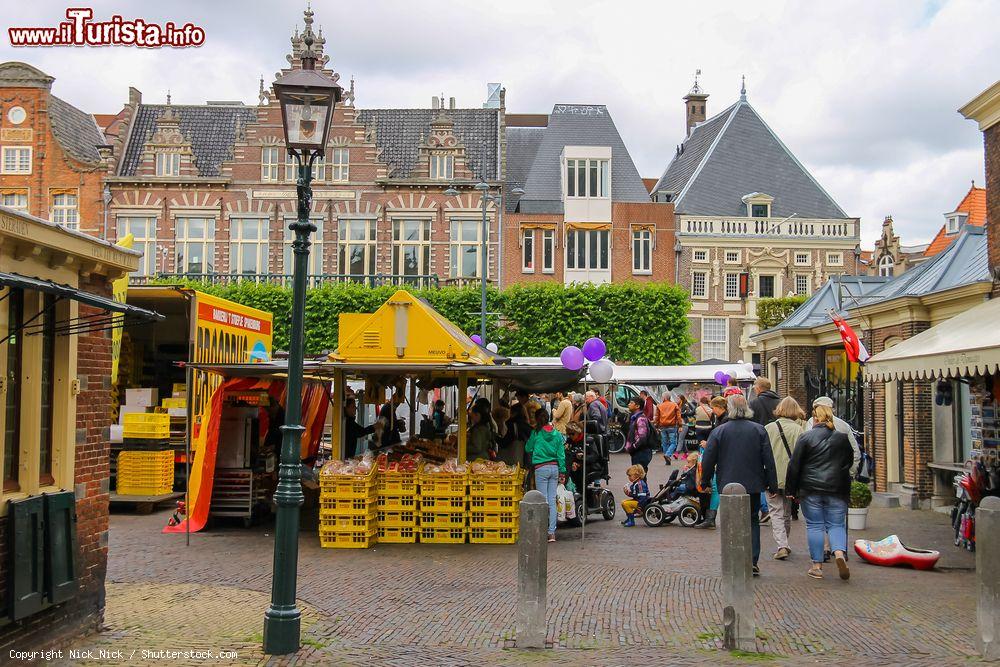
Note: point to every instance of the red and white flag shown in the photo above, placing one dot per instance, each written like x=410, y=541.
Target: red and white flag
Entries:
x=856, y=350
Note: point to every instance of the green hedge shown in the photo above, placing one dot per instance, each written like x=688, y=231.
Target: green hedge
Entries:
x=641, y=323
x=772, y=312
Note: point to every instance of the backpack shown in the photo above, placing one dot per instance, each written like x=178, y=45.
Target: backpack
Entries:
x=652, y=440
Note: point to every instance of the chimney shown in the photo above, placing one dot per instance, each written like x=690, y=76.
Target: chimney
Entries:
x=134, y=96
x=694, y=104
x=451, y=103
x=435, y=102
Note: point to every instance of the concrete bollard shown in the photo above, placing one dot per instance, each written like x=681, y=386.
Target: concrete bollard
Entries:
x=988, y=576
x=532, y=570
x=739, y=632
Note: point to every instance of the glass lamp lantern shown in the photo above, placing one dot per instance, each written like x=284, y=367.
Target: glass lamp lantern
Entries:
x=307, y=99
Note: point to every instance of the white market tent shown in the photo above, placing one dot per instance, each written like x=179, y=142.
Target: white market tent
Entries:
x=656, y=375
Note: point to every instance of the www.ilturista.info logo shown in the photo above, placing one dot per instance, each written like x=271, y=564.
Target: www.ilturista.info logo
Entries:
x=80, y=30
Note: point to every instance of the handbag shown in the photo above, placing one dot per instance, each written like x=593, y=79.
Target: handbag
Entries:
x=784, y=440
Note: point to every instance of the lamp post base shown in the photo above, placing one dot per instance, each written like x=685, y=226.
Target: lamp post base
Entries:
x=281, y=630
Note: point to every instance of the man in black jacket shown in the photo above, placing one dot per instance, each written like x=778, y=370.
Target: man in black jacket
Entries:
x=740, y=451
x=764, y=402
x=352, y=429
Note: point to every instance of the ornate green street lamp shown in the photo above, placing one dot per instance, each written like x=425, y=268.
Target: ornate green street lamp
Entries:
x=307, y=98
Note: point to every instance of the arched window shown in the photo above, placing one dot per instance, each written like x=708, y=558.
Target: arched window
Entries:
x=886, y=265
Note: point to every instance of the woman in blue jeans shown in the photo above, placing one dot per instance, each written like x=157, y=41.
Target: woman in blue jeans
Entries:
x=547, y=449
x=819, y=478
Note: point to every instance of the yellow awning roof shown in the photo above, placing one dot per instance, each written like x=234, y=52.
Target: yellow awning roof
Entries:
x=598, y=226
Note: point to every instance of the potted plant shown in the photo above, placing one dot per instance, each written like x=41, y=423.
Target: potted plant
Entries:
x=857, y=506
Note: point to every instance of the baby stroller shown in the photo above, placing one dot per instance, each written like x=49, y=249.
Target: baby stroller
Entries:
x=599, y=498
x=675, y=499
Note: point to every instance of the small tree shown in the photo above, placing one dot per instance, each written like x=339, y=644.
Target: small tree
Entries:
x=861, y=495
x=772, y=312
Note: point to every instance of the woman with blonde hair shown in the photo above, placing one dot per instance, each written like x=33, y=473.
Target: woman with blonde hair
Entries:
x=819, y=477
x=783, y=433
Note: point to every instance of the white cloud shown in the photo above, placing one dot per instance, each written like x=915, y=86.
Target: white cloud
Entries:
x=863, y=92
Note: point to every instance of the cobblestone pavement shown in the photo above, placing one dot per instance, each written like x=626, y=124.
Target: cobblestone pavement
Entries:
x=617, y=597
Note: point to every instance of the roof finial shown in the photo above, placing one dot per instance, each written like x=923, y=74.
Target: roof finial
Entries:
x=168, y=97
x=696, y=88
x=743, y=88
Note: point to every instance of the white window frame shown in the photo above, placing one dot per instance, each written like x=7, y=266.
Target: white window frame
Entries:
x=183, y=240
x=422, y=244
x=735, y=296
x=803, y=262
x=724, y=342
x=292, y=169
x=270, y=158
x=65, y=211
x=774, y=286
x=767, y=209
x=143, y=230
x=642, y=263
x=702, y=260
x=954, y=222
x=886, y=269
x=527, y=250
x=340, y=164
x=703, y=292
x=596, y=178
x=727, y=253
x=588, y=237
x=346, y=244
x=459, y=244
x=441, y=166
x=315, y=249
x=19, y=195
x=18, y=163
x=808, y=284
x=548, y=251
x=239, y=244
x=168, y=164
x=835, y=259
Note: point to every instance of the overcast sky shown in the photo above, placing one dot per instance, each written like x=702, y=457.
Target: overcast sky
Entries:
x=863, y=92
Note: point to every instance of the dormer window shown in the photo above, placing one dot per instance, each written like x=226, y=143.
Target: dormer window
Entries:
x=587, y=178
x=168, y=164
x=758, y=204
x=955, y=222
x=760, y=211
x=442, y=166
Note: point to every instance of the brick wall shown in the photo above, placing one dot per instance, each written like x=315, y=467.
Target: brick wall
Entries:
x=991, y=139
x=85, y=612
x=792, y=363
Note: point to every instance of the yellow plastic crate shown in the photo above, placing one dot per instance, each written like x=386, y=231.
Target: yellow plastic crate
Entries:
x=398, y=534
x=397, y=503
x=443, y=504
x=345, y=522
x=146, y=425
x=497, y=486
x=489, y=504
x=442, y=535
x=348, y=486
x=125, y=489
x=442, y=519
x=145, y=473
x=345, y=506
x=173, y=403
x=443, y=485
x=397, y=518
x=494, y=519
x=397, y=483
x=348, y=539
x=493, y=535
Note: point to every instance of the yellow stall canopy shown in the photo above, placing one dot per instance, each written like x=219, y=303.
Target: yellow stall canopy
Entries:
x=405, y=329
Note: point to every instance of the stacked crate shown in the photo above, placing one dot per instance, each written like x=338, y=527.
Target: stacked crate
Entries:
x=494, y=511
x=176, y=408
x=444, y=503
x=146, y=462
x=347, y=515
x=397, y=514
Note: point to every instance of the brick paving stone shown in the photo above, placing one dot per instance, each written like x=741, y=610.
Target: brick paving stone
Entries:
x=643, y=594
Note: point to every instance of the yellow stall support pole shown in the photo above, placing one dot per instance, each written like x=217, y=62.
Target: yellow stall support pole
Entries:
x=463, y=417
x=337, y=447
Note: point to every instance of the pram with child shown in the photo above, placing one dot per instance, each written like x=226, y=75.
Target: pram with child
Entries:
x=592, y=494
x=677, y=499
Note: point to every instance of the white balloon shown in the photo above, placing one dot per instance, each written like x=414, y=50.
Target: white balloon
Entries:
x=602, y=371
x=492, y=347
x=740, y=362
x=749, y=367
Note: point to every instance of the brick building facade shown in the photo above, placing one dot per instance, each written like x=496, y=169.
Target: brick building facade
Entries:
x=585, y=215
x=52, y=155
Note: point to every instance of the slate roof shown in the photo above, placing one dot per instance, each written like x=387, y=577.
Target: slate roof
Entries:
x=812, y=313
x=733, y=154
x=76, y=131
x=398, y=133
x=542, y=148
x=211, y=129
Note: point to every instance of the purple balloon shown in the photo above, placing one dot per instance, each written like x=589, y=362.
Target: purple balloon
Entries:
x=720, y=377
x=476, y=339
x=726, y=377
x=594, y=349
x=572, y=357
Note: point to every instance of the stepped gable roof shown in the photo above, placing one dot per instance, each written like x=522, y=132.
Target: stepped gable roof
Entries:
x=211, y=129
x=735, y=153
x=400, y=132
x=568, y=125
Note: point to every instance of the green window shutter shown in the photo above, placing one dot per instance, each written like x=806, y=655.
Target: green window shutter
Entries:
x=60, y=546
x=25, y=585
